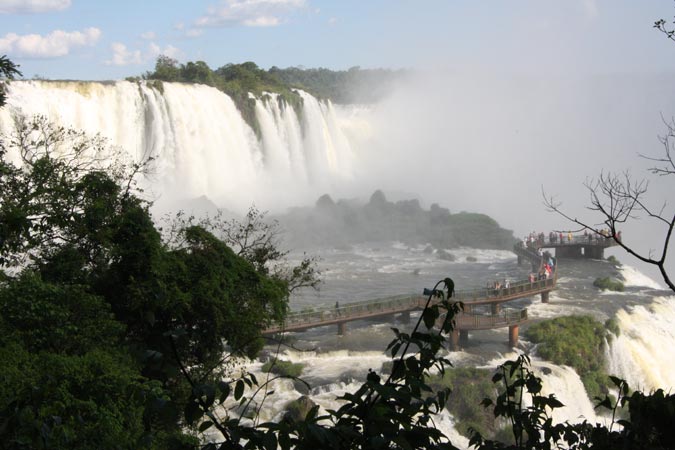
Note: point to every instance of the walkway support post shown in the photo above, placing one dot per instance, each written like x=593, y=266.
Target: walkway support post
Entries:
x=454, y=339
x=342, y=328
x=405, y=317
x=463, y=337
x=513, y=335
x=544, y=297
x=496, y=308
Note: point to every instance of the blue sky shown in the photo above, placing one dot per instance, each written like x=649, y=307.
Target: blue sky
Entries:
x=91, y=39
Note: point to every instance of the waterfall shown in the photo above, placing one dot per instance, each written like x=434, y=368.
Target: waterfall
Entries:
x=200, y=143
x=643, y=353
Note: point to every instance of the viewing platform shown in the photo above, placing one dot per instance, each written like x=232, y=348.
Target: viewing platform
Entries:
x=591, y=246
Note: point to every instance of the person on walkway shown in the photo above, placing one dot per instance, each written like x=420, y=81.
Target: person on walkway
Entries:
x=337, y=308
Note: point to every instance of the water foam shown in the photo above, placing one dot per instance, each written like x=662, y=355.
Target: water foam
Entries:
x=643, y=352
x=200, y=141
x=633, y=277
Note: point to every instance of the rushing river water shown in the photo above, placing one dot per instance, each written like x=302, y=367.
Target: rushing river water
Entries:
x=337, y=364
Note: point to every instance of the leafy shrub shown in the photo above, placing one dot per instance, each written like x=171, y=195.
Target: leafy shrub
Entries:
x=612, y=260
x=283, y=368
x=575, y=341
x=613, y=326
x=469, y=386
x=607, y=283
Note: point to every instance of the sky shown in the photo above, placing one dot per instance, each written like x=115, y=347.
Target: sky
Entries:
x=99, y=40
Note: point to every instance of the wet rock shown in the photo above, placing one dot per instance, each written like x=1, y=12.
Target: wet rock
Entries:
x=297, y=410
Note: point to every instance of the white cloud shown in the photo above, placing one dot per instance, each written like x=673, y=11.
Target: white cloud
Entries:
x=149, y=35
x=251, y=13
x=170, y=51
x=32, y=6
x=122, y=56
x=57, y=43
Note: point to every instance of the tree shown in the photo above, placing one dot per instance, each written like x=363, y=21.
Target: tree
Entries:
x=8, y=71
x=620, y=198
x=256, y=240
x=166, y=69
x=101, y=321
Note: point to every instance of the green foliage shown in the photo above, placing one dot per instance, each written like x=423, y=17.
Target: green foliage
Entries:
x=612, y=260
x=648, y=426
x=607, y=283
x=612, y=326
x=8, y=71
x=283, y=368
x=468, y=387
x=104, y=327
x=575, y=341
x=298, y=409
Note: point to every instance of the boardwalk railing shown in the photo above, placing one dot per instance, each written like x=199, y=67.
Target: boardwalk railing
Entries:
x=468, y=321
x=350, y=311
x=518, y=289
x=592, y=239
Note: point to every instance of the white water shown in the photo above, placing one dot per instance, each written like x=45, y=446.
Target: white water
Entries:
x=644, y=352
x=633, y=277
x=201, y=143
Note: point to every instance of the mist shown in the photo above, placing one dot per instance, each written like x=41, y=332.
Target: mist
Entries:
x=493, y=143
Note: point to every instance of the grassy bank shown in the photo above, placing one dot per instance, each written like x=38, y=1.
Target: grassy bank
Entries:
x=578, y=342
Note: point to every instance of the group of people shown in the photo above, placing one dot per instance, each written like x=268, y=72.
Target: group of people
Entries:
x=535, y=240
x=498, y=285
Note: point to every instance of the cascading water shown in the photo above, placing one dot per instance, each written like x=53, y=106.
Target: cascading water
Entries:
x=201, y=144
x=644, y=352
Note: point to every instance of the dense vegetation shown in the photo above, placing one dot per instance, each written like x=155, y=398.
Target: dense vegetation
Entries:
x=468, y=387
x=578, y=342
x=104, y=325
x=238, y=80
x=607, y=283
x=346, y=222
x=285, y=368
